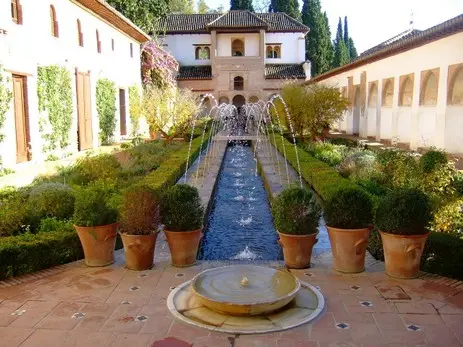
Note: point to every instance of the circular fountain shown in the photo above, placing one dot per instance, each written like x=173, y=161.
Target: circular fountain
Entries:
x=245, y=299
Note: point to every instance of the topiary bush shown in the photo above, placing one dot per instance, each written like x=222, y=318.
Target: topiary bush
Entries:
x=139, y=212
x=181, y=208
x=93, y=205
x=13, y=216
x=51, y=200
x=295, y=211
x=432, y=159
x=405, y=211
x=350, y=208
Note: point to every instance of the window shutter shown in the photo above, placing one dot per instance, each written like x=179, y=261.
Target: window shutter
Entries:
x=81, y=39
x=20, y=14
x=56, y=28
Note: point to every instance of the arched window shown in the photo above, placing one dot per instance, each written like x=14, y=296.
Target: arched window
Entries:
x=202, y=53
x=406, y=92
x=456, y=88
x=53, y=22
x=429, y=90
x=388, y=92
x=224, y=100
x=273, y=51
x=98, y=42
x=373, y=95
x=16, y=11
x=238, y=48
x=238, y=83
x=80, y=35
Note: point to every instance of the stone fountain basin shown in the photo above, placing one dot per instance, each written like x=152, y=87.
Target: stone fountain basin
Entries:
x=264, y=289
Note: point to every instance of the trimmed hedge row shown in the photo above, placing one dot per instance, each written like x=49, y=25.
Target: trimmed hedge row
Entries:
x=443, y=253
x=28, y=253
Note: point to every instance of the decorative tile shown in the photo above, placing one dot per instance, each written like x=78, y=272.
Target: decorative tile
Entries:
x=125, y=302
x=342, y=326
x=354, y=287
x=179, y=275
x=141, y=318
x=413, y=327
x=389, y=292
x=134, y=288
x=366, y=303
x=18, y=313
x=78, y=315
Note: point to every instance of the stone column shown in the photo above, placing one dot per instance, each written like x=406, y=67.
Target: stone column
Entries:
x=214, y=58
x=441, y=107
x=395, y=109
x=414, y=120
x=363, y=123
x=262, y=45
x=379, y=101
x=350, y=112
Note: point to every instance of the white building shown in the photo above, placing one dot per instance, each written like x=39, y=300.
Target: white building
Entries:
x=238, y=56
x=87, y=37
x=407, y=90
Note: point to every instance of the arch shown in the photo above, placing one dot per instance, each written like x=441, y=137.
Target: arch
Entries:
x=98, y=42
x=239, y=100
x=197, y=52
x=224, y=100
x=80, y=35
x=373, y=95
x=54, y=22
x=388, y=93
x=406, y=92
x=238, y=83
x=429, y=89
x=456, y=87
x=202, y=53
x=237, y=48
x=254, y=99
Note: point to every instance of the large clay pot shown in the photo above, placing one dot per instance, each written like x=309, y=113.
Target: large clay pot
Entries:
x=297, y=249
x=349, y=247
x=402, y=254
x=183, y=246
x=139, y=251
x=98, y=243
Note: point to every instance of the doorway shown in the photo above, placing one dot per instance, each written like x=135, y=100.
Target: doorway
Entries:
x=122, y=112
x=84, y=112
x=21, y=118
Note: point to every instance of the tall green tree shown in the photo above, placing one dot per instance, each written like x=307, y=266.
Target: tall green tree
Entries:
x=319, y=49
x=341, y=52
x=202, y=7
x=329, y=43
x=290, y=7
x=352, y=50
x=349, y=42
x=181, y=6
x=142, y=13
x=241, y=5
x=346, y=32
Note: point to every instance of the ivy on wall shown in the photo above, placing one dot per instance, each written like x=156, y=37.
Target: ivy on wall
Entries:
x=54, y=90
x=6, y=96
x=106, y=107
x=135, y=108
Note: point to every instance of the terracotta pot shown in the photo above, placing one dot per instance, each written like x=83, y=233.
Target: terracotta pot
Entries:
x=183, y=246
x=297, y=249
x=98, y=243
x=139, y=251
x=402, y=254
x=349, y=247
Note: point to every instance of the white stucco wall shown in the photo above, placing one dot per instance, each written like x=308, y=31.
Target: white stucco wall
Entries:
x=27, y=46
x=182, y=47
x=416, y=125
x=251, y=44
x=292, y=47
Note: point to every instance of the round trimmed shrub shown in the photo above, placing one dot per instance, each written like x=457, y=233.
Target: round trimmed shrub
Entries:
x=295, y=211
x=405, y=211
x=139, y=212
x=432, y=159
x=181, y=208
x=51, y=200
x=349, y=208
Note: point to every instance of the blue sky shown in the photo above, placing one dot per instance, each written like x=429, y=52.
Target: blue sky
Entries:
x=374, y=21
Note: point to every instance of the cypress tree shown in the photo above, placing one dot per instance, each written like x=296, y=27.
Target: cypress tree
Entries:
x=241, y=5
x=346, y=35
x=352, y=50
x=290, y=7
x=328, y=42
x=341, y=53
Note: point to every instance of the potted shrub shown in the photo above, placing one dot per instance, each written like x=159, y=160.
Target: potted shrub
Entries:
x=182, y=215
x=349, y=214
x=296, y=216
x=96, y=223
x=139, y=222
x=402, y=218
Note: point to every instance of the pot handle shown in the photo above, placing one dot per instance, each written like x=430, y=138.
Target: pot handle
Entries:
x=414, y=247
x=106, y=238
x=359, y=245
x=280, y=243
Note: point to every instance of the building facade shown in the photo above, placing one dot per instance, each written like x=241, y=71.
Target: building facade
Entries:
x=89, y=39
x=407, y=90
x=238, y=56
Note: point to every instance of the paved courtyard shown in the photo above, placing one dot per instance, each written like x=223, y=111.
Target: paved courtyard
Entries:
x=74, y=305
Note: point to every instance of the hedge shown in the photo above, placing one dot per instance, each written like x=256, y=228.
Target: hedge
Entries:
x=28, y=253
x=443, y=253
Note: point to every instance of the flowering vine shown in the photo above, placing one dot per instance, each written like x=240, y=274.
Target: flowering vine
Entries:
x=158, y=66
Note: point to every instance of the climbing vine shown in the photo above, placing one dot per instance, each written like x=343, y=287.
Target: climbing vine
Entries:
x=106, y=107
x=54, y=90
x=135, y=108
x=5, y=99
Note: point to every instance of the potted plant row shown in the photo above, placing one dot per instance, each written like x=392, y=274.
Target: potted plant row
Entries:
x=296, y=216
